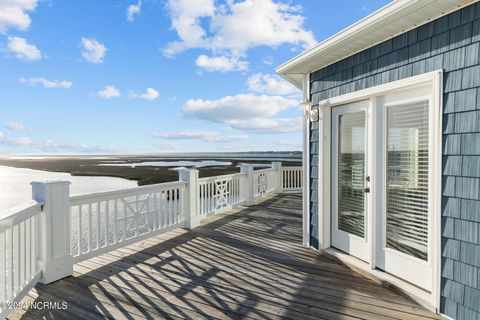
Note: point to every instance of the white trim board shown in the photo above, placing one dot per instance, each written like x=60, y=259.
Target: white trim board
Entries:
x=434, y=80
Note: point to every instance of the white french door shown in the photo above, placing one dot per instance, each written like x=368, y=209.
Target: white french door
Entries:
x=399, y=154
x=349, y=168
x=404, y=208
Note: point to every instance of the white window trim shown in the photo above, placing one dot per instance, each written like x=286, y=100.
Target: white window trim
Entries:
x=435, y=79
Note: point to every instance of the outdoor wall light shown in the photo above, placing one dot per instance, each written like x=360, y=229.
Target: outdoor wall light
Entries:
x=312, y=114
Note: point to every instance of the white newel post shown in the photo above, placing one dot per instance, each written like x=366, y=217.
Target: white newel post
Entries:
x=279, y=177
x=189, y=209
x=248, y=191
x=54, y=236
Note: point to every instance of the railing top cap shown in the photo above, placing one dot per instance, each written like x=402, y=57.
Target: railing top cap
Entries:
x=49, y=182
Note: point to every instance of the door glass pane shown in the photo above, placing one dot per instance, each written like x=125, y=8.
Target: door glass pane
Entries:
x=351, y=173
x=407, y=178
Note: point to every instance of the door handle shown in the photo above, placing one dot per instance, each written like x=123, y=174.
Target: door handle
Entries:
x=366, y=190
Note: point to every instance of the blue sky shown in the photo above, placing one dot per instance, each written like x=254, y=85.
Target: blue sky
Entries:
x=154, y=76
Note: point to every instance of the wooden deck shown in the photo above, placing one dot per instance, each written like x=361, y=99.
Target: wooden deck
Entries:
x=248, y=264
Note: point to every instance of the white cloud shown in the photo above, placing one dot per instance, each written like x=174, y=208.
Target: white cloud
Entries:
x=150, y=94
x=221, y=63
x=268, y=125
x=109, y=92
x=93, y=51
x=62, y=84
x=17, y=126
x=168, y=146
x=23, y=50
x=270, y=84
x=132, y=10
x=23, y=141
x=2, y=136
x=249, y=112
x=230, y=29
x=241, y=106
x=207, y=136
x=14, y=14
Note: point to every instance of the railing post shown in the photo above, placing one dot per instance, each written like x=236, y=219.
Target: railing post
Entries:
x=279, y=176
x=248, y=185
x=53, y=238
x=191, y=217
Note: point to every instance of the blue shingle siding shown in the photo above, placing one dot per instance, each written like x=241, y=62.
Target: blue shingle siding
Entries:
x=451, y=43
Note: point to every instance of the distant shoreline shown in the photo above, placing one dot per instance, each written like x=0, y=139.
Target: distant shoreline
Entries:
x=99, y=165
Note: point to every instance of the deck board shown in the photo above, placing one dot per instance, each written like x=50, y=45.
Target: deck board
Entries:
x=244, y=264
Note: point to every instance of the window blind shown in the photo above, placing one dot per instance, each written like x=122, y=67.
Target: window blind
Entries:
x=407, y=178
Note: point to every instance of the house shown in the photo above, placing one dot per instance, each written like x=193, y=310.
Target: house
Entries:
x=392, y=147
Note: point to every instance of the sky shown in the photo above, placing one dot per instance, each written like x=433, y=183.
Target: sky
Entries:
x=151, y=76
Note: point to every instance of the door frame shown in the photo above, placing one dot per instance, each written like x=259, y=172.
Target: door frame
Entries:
x=435, y=80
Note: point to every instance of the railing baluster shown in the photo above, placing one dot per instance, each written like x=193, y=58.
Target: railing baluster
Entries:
x=3, y=273
x=10, y=263
x=22, y=251
x=17, y=258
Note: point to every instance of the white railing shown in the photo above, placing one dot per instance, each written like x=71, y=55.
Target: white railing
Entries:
x=216, y=194
x=265, y=182
x=41, y=241
x=104, y=221
x=292, y=178
x=19, y=270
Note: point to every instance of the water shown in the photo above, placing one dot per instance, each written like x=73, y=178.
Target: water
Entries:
x=195, y=164
x=15, y=188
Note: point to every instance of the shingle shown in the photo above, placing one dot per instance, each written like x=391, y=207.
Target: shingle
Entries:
x=470, y=144
x=454, y=19
x=471, y=166
x=466, y=231
x=452, y=144
x=452, y=80
x=448, y=123
x=469, y=253
x=466, y=100
x=399, y=41
x=461, y=36
x=472, y=297
x=476, y=30
x=447, y=268
x=470, y=210
x=440, y=43
x=466, y=314
x=452, y=166
x=448, y=307
x=454, y=59
x=451, y=207
x=470, y=77
x=440, y=25
x=453, y=290
x=467, y=122
x=425, y=31
x=434, y=63
x=418, y=67
x=405, y=71
x=448, y=186
x=451, y=248
x=467, y=188
x=420, y=50
x=448, y=228
x=449, y=102
x=472, y=54
x=468, y=14
x=465, y=274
